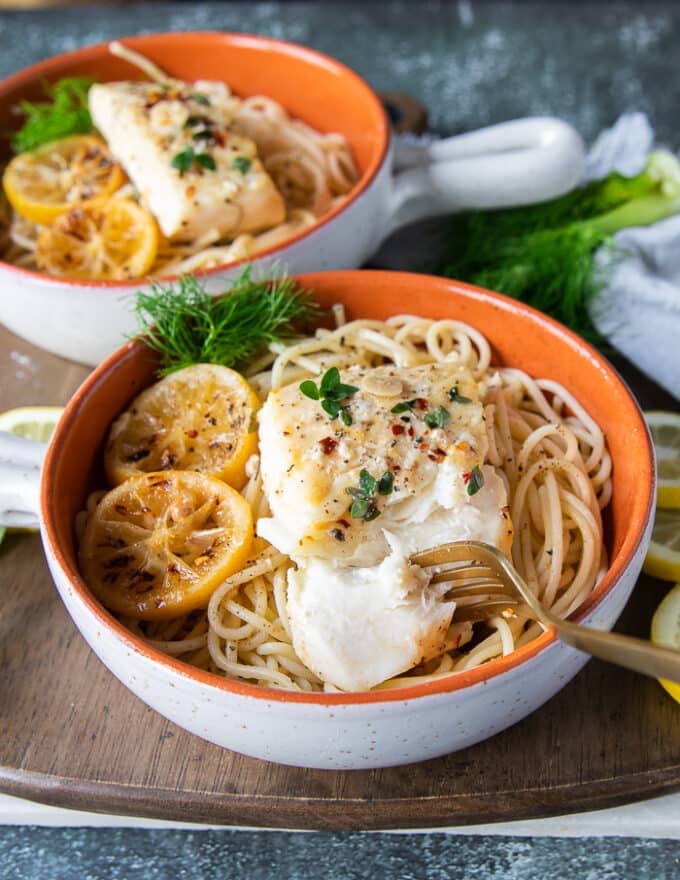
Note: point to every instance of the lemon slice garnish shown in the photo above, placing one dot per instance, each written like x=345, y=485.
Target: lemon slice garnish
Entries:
x=157, y=545
x=114, y=240
x=44, y=183
x=200, y=418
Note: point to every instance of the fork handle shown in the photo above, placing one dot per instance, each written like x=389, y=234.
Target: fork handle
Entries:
x=632, y=653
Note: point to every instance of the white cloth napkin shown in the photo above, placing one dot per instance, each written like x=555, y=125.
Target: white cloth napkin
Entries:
x=639, y=309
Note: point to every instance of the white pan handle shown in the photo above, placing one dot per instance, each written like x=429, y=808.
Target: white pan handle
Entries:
x=20, y=464
x=514, y=163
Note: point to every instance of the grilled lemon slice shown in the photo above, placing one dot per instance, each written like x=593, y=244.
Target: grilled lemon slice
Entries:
x=201, y=418
x=157, y=545
x=111, y=241
x=44, y=183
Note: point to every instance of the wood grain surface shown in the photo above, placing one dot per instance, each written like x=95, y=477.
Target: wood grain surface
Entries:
x=71, y=735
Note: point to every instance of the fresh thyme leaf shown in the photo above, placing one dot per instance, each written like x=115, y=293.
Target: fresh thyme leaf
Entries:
x=186, y=325
x=474, y=480
x=345, y=416
x=188, y=157
x=341, y=391
x=367, y=483
x=456, y=397
x=359, y=508
x=332, y=407
x=201, y=99
x=404, y=406
x=438, y=418
x=329, y=381
x=183, y=160
x=242, y=164
x=205, y=161
x=64, y=114
x=386, y=483
x=309, y=389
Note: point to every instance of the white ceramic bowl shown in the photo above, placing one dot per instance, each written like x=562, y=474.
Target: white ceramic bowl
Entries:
x=374, y=729
x=518, y=162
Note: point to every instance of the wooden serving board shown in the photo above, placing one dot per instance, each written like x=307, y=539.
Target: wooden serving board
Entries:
x=72, y=736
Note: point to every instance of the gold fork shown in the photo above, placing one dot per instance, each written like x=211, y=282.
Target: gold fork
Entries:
x=483, y=581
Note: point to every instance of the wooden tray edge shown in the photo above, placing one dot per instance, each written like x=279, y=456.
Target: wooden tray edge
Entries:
x=336, y=815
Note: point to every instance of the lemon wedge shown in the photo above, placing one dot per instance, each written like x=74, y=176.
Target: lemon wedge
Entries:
x=666, y=631
x=665, y=431
x=33, y=423
x=663, y=556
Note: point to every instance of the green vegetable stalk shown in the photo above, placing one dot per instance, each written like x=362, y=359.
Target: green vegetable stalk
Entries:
x=545, y=254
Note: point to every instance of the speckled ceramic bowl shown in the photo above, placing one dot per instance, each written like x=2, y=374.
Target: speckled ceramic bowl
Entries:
x=518, y=162
x=381, y=728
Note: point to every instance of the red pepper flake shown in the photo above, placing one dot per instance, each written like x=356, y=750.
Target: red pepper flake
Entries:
x=192, y=433
x=397, y=429
x=328, y=445
x=423, y=447
x=410, y=432
x=421, y=403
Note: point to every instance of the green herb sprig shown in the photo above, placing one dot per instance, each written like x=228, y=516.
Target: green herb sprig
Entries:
x=64, y=114
x=364, y=504
x=186, y=325
x=331, y=392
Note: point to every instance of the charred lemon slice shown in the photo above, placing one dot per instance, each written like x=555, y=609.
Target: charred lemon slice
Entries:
x=201, y=418
x=44, y=183
x=156, y=546
x=110, y=241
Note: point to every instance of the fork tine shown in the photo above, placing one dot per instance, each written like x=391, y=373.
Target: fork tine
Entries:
x=456, y=551
x=481, y=610
x=454, y=576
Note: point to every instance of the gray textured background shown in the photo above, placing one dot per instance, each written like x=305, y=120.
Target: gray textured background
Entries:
x=470, y=63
